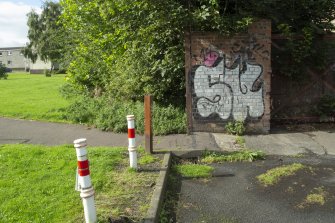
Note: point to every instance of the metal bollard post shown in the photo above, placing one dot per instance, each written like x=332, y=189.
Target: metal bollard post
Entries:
x=132, y=141
x=84, y=181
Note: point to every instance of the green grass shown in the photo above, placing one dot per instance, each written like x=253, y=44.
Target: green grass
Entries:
x=194, y=170
x=243, y=155
x=147, y=159
x=37, y=184
x=240, y=141
x=31, y=96
x=274, y=175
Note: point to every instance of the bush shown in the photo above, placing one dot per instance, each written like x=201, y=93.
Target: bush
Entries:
x=3, y=72
x=47, y=73
x=110, y=115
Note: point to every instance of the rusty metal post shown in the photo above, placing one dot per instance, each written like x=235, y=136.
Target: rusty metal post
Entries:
x=148, y=123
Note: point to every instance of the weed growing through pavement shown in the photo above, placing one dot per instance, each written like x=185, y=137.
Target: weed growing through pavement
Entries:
x=240, y=141
x=316, y=197
x=274, y=175
x=243, y=155
x=194, y=170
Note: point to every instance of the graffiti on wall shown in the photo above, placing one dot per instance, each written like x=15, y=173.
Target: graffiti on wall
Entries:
x=230, y=86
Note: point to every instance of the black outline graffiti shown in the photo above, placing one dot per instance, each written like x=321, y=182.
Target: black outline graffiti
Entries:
x=247, y=49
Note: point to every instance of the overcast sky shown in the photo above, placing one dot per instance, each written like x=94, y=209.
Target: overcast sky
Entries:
x=13, y=21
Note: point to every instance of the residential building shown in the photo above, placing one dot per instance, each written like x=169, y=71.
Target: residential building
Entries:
x=13, y=58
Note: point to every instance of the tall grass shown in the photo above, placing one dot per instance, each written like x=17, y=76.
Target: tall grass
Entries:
x=111, y=115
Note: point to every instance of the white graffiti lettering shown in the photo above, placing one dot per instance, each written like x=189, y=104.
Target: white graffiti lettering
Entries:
x=229, y=91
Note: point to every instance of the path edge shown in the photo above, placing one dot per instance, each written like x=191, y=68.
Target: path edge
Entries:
x=152, y=215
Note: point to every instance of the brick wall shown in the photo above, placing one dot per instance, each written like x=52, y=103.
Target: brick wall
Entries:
x=229, y=78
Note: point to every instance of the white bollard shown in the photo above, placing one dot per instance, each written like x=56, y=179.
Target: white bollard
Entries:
x=84, y=181
x=132, y=141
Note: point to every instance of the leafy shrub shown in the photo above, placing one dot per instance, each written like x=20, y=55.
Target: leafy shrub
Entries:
x=110, y=115
x=47, y=73
x=82, y=110
x=235, y=128
x=3, y=72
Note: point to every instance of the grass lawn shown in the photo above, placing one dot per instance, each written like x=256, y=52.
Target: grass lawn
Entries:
x=31, y=96
x=37, y=184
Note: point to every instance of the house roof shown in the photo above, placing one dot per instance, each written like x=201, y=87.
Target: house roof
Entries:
x=11, y=48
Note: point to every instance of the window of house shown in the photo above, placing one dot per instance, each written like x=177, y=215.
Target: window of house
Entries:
x=9, y=53
x=9, y=62
x=0, y=54
x=0, y=62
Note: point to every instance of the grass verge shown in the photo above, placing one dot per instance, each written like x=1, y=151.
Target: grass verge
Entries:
x=37, y=184
x=274, y=175
x=34, y=97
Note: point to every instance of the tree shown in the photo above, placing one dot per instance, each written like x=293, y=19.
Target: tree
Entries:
x=301, y=22
x=3, y=72
x=128, y=48
x=48, y=39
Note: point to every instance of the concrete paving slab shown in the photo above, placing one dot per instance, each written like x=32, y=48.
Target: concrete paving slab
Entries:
x=195, y=141
x=226, y=142
x=284, y=144
x=325, y=139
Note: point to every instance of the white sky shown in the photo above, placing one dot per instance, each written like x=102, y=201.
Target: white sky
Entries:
x=13, y=21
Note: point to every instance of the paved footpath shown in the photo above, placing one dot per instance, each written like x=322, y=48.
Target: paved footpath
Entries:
x=45, y=133
x=279, y=143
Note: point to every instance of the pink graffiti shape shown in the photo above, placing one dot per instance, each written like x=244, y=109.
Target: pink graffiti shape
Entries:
x=210, y=58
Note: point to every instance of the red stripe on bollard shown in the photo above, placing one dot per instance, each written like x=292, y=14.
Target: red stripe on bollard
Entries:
x=84, y=172
x=83, y=164
x=131, y=133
